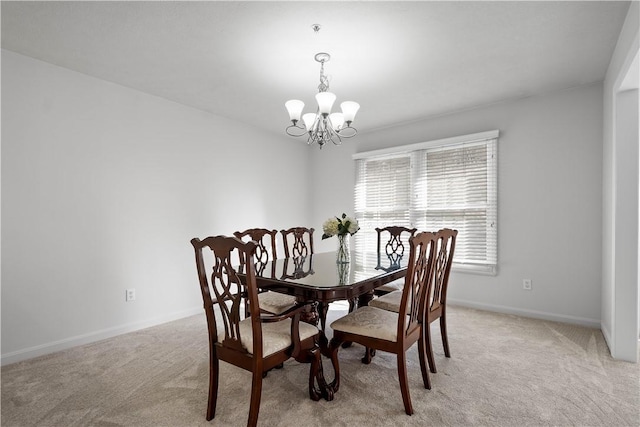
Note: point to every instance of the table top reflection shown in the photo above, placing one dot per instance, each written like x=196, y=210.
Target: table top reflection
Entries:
x=319, y=277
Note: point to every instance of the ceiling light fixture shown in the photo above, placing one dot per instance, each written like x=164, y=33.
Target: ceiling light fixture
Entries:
x=322, y=126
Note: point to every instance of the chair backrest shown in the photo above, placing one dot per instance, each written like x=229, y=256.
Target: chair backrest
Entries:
x=417, y=281
x=266, y=250
x=297, y=241
x=394, y=238
x=217, y=258
x=444, y=248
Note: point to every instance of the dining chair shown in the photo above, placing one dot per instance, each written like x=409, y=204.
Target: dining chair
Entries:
x=436, y=300
x=390, y=256
x=258, y=342
x=297, y=241
x=269, y=302
x=437, y=307
x=392, y=332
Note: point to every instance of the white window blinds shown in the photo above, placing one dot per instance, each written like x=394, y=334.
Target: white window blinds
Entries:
x=450, y=183
x=382, y=196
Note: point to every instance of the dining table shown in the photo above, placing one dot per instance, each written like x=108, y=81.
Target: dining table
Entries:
x=320, y=279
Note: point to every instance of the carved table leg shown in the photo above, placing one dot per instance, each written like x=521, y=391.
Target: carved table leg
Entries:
x=323, y=309
x=310, y=315
x=324, y=389
x=318, y=314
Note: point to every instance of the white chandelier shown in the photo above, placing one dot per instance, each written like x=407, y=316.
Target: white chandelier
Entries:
x=323, y=126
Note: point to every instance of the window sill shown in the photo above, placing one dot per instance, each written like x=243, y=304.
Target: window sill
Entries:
x=484, y=270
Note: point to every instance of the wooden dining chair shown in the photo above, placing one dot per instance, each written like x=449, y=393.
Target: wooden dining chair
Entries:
x=437, y=298
x=385, y=330
x=297, y=242
x=436, y=301
x=390, y=251
x=256, y=343
x=266, y=251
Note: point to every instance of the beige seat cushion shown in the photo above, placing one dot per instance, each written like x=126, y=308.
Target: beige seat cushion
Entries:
x=371, y=322
x=397, y=284
x=275, y=302
x=390, y=301
x=276, y=336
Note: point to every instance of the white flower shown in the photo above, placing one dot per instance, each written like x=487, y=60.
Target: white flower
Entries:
x=353, y=225
x=330, y=227
x=340, y=225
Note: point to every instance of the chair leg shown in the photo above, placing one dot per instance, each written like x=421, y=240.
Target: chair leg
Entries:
x=256, y=392
x=443, y=332
x=426, y=380
x=404, y=382
x=214, y=370
x=368, y=355
x=426, y=333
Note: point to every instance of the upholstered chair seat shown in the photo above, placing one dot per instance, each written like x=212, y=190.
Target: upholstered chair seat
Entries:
x=390, y=301
x=276, y=336
x=396, y=285
x=275, y=302
x=369, y=322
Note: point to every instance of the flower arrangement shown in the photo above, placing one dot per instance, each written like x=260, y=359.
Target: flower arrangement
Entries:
x=340, y=226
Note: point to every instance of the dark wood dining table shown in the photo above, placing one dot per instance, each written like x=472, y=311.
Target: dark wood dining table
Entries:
x=320, y=279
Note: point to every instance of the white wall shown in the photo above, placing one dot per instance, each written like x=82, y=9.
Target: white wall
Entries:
x=620, y=306
x=102, y=189
x=549, y=200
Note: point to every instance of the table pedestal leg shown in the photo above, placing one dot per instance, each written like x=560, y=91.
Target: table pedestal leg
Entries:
x=310, y=315
x=318, y=314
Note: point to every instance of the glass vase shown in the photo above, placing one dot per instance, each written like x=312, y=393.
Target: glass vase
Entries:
x=343, y=254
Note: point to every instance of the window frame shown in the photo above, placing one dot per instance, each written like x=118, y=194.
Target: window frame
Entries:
x=490, y=138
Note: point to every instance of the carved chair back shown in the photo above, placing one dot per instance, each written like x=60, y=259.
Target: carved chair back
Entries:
x=436, y=303
x=444, y=249
x=394, y=239
x=297, y=241
x=417, y=281
x=266, y=249
x=217, y=260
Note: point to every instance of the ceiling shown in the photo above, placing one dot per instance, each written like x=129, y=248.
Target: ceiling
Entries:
x=402, y=61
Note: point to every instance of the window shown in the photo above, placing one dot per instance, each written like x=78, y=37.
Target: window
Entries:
x=447, y=183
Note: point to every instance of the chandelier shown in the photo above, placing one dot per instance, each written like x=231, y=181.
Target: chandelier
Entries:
x=323, y=126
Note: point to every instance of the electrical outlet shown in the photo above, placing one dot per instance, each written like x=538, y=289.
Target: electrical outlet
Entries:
x=130, y=295
x=526, y=284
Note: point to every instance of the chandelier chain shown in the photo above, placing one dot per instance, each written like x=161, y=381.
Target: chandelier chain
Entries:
x=324, y=80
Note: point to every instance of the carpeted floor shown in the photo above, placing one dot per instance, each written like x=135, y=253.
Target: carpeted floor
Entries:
x=504, y=371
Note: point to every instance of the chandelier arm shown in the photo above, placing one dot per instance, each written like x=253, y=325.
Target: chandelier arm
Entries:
x=332, y=132
x=291, y=132
x=352, y=132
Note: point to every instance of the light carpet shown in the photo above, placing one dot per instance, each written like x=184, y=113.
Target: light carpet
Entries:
x=504, y=371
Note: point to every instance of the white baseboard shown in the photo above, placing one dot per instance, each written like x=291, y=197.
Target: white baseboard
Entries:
x=90, y=337
x=583, y=321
